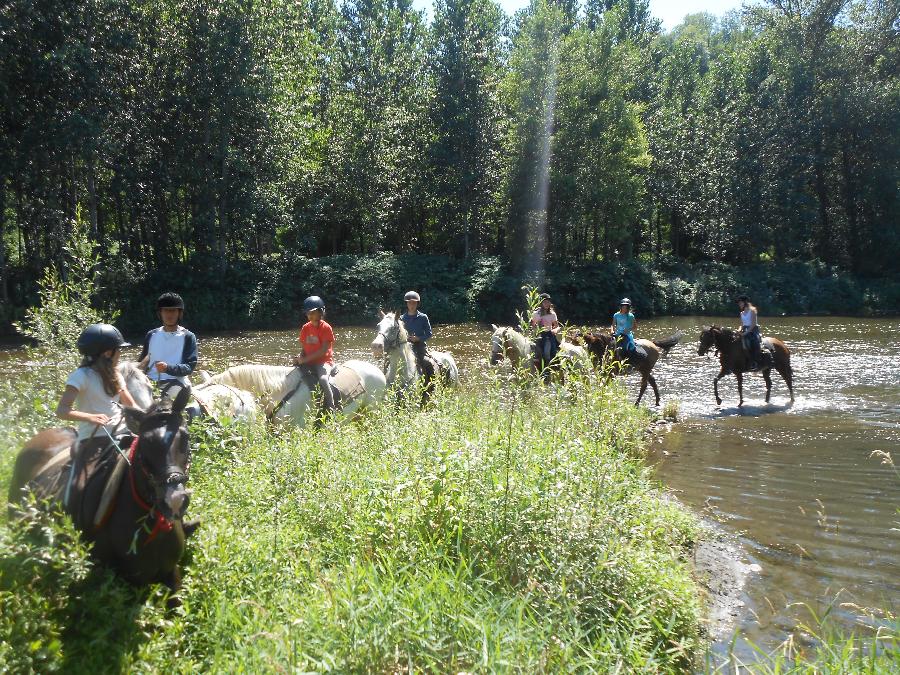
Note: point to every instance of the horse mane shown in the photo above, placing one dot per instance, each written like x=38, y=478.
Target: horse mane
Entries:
x=258, y=378
x=129, y=369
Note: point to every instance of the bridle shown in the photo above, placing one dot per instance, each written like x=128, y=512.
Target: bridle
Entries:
x=391, y=346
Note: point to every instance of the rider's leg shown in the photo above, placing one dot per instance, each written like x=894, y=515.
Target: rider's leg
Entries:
x=419, y=352
x=325, y=386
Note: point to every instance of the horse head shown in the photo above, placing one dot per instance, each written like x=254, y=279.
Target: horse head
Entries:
x=708, y=337
x=162, y=454
x=137, y=383
x=391, y=334
x=597, y=343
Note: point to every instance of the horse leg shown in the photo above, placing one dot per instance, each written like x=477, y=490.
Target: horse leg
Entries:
x=655, y=388
x=716, y=386
x=643, y=388
x=173, y=581
x=740, y=379
x=768, y=380
x=787, y=375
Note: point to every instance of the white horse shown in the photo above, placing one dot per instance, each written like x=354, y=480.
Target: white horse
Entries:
x=287, y=394
x=506, y=342
x=221, y=400
x=392, y=340
x=137, y=383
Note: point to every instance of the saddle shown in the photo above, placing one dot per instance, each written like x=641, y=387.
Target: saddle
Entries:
x=95, y=463
x=766, y=354
x=346, y=385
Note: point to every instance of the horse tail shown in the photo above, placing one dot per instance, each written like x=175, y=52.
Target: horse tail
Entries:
x=666, y=344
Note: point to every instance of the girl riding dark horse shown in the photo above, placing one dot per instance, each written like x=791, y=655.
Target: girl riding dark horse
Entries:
x=603, y=348
x=135, y=520
x=734, y=359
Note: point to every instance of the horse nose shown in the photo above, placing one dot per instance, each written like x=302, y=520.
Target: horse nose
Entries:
x=176, y=499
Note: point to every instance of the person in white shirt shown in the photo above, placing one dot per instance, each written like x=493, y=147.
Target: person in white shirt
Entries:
x=94, y=391
x=544, y=317
x=750, y=331
x=169, y=353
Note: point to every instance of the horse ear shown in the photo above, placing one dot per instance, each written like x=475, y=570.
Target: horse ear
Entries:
x=495, y=327
x=380, y=313
x=181, y=400
x=133, y=418
x=397, y=315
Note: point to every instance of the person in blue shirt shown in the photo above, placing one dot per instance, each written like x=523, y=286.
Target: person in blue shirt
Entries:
x=419, y=328
x=623, y=330
x=169, y=353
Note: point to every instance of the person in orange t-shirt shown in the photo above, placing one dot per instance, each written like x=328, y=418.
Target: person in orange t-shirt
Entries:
x=317, y=341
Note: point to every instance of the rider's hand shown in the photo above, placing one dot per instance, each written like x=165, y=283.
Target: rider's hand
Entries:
x=100, y=419
x=161, y=366
x=413, y=338
x=298, y=360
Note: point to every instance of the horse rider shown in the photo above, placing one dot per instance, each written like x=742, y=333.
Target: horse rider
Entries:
x=623, y=330
x=750, y=331
x=95, y=390
x=419, y=329
x=544, y=317
x=169, y=353
x=317, y=340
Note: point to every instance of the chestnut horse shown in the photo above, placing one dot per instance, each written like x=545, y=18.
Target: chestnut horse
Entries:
x=732, y=359
x=140, y=532
x=601, y=346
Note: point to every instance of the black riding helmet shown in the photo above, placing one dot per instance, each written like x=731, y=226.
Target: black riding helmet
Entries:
x=742, y=298
x=100, y=337
x=170, y=300
x=313, y=302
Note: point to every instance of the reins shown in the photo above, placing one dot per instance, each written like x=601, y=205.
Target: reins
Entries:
x=278, y=406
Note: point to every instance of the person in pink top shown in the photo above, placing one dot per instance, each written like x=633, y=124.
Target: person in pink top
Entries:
x=544, y=317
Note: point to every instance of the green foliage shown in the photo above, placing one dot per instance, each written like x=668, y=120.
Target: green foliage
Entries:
x=66, y=294
x=819, y=645
x=505, y=528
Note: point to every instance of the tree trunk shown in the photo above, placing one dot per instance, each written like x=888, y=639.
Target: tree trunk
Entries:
x=92, y=195
x=4, y=289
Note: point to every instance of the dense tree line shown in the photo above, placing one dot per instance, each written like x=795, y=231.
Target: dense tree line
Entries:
x=212, y=132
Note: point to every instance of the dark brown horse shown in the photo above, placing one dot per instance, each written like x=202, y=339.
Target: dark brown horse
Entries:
x=733, y=359
x=601, y=346
x=138, y=528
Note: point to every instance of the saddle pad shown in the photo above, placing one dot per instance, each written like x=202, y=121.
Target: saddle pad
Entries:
x=49, y=480
x=110, y=490
x=348, y=383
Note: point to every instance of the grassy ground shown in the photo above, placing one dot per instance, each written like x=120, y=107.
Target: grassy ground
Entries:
x=490, y=533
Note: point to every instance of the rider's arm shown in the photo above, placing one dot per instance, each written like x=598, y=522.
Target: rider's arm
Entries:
x=64, y=409
x=752, y=319
x=188, y=357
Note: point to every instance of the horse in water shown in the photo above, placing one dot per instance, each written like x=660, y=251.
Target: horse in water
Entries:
x=732, y=359
x=602, y=348
x=359, y=384
x=508, y=343
x=392, y=342
x=128, y=501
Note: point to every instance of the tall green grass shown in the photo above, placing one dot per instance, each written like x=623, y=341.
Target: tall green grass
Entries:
x=493, y=531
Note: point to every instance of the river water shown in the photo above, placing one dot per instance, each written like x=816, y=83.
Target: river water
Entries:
x=797, y=485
